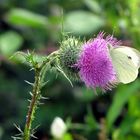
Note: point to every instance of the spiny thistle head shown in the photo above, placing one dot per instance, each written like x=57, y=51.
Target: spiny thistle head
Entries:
x=68, y=55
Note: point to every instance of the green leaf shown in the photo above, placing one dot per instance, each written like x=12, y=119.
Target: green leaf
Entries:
x=125, y=128
x=121, y=97
x=136, y=127
x=67, y=136
x=23, y=17
x=93, y=5
x=90, y=119
x=82, y=22
x=134, y=106
x=10, y=42
x=19, y=57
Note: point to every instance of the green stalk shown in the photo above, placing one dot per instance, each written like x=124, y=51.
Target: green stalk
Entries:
x=33, y=105
x=39, y=78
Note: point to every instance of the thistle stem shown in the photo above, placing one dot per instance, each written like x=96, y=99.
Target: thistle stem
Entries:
x=39, y=78
x=33, y=105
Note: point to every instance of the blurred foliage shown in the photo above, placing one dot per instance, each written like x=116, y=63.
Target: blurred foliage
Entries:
x=36, y=25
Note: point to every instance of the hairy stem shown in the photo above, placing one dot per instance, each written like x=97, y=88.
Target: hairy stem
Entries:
x=39, y=78
x=33, y=105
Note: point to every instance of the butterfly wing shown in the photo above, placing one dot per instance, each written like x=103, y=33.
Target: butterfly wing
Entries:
x=132, y=53
x=126, y=62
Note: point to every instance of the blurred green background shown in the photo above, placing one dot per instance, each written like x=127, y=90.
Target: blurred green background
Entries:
x=36, y=25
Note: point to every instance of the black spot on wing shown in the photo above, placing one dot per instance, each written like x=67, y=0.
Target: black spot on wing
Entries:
x=129, y=57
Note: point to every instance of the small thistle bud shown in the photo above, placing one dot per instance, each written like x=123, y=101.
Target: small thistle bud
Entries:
x=58, y=128
x=68, y=56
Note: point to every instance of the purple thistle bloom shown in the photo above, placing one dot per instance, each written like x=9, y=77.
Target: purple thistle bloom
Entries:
x=95, y=64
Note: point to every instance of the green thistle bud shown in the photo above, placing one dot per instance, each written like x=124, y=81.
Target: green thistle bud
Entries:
x=68, y=56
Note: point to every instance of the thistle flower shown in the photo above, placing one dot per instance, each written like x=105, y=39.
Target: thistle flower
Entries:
x=95, y=64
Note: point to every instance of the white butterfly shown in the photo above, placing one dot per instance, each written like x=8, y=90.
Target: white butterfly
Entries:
x=126, y=62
